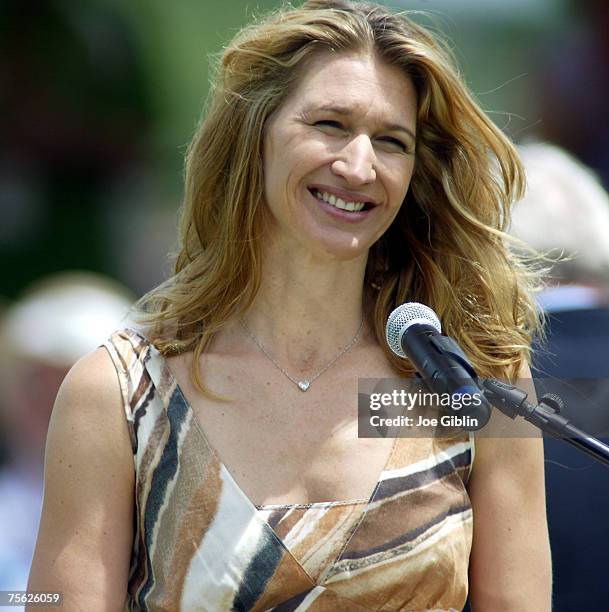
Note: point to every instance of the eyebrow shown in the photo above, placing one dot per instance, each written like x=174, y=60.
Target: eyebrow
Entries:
x=345, y=110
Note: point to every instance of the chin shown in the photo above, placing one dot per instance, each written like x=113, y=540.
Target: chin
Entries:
x=341, y=251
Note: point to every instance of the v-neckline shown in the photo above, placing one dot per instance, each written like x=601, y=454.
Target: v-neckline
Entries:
x=163, y=372
x=259, y=512
x=170, y=375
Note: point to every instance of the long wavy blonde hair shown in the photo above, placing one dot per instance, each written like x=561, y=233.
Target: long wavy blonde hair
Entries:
x=447, y=246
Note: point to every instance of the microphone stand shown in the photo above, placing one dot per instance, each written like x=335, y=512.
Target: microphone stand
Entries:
x=546, y=416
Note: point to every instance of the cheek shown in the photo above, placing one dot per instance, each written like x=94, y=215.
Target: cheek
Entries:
x=290, y=168
x=271, y=165
x=400, y=182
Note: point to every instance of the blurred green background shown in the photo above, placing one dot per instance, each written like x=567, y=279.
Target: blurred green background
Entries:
x=99, y=99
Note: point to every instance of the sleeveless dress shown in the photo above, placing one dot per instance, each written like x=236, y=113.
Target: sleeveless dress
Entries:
x=201, y=544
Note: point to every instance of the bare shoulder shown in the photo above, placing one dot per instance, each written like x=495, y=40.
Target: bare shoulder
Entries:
x=509, y=454
x=85, y=535
x=94, y=377
x=88, y=416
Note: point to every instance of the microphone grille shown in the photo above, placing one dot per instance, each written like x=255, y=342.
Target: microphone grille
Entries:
x=402, y=318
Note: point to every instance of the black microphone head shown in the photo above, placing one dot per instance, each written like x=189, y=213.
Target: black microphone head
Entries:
x=402, y=318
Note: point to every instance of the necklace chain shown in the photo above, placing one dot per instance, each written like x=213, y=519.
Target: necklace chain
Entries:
x=304, y=384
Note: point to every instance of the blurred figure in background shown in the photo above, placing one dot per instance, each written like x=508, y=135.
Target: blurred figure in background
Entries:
x=567, y=209
x=574, y=85
x=54, y=323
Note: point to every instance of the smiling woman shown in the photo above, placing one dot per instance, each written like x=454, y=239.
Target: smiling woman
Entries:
x=340, y=169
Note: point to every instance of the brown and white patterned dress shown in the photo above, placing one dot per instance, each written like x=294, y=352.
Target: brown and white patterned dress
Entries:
x=201, y=544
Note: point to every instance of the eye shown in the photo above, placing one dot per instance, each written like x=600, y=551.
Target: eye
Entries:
x=329, y=123
x=394, y=143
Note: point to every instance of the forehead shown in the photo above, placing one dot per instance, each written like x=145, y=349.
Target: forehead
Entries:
x=359, y=81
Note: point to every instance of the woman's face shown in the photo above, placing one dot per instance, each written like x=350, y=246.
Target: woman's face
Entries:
x=339, y=156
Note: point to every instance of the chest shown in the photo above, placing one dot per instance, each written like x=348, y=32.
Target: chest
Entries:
x=282, y=445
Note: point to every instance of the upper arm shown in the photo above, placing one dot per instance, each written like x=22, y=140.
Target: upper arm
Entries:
x=85, y=537
x=510, y=565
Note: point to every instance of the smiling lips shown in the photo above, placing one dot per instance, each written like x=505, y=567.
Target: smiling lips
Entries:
x=338, y=202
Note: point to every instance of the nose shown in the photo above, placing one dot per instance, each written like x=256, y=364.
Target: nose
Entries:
x=356, y=161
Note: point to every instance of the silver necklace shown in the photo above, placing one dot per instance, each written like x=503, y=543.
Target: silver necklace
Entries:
x=303, y=385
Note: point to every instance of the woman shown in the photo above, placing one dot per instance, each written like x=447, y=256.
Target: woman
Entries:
x=341, y=169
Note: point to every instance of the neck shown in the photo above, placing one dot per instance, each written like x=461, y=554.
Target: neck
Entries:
x=307, y=310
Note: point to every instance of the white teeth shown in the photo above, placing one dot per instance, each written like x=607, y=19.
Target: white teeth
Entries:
x=332, y=199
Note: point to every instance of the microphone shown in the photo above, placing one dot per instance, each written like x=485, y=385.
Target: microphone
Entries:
x=413, y=330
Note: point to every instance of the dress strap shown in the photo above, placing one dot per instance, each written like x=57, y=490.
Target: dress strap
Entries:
x=129, y=352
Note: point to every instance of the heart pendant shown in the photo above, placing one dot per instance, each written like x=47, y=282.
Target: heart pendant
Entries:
x=303, y=385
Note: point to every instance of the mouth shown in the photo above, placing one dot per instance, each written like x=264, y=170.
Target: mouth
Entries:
x=339, y=203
